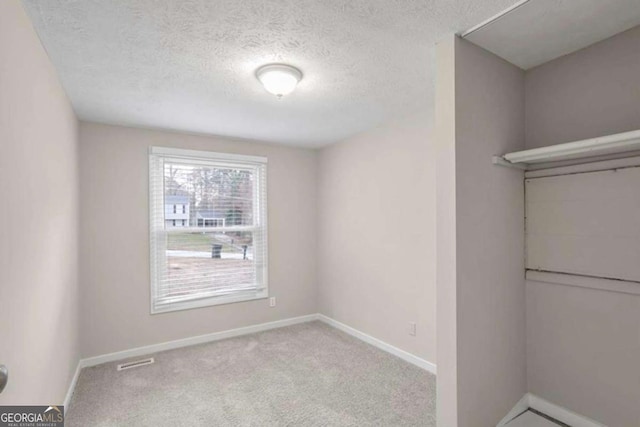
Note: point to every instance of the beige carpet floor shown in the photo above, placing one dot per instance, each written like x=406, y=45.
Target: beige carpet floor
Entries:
x=303, y=375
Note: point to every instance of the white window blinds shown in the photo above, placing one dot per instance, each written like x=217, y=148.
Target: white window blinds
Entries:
x=212, y=248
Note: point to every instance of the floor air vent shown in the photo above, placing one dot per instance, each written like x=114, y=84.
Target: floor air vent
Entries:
x=135, y=364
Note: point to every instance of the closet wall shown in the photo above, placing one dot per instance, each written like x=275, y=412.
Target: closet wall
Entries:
x=583, y=345
x=585, y=223
x=479, y=238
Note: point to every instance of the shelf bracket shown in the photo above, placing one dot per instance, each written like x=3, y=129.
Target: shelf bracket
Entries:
x=500, y=161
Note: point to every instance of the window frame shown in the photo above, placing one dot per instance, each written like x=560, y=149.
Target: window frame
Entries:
x=157, y=156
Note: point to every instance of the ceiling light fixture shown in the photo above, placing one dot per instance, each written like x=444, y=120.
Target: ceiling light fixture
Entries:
x=279, y=79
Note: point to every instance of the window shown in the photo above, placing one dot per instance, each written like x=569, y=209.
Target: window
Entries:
x=210, y=222
x=184, y=210
x=223, y=258
x=174, y=208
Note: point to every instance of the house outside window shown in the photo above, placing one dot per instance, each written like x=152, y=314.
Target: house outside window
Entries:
x=210, y=219
x=173, y=216
x=212, y=248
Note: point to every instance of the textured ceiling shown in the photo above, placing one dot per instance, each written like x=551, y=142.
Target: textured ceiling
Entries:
x=542, y=30
x=189, y=64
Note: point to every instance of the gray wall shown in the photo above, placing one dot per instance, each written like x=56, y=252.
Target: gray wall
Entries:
x=585, y=223
x=39, y=216
x=583, y=348
x=376, y=233
x=592, y=92
x=583, y=345
x=486, y=310
x=115, y=240
x=446, y=280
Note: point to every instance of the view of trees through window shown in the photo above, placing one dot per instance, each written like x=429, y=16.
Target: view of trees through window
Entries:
x=212, y=193
x=209, y=215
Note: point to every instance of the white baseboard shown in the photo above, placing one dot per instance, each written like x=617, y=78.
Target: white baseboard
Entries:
x=561, y=414
x=200, y=339
x=404, y=355
x=72, y=387
x=519, y=408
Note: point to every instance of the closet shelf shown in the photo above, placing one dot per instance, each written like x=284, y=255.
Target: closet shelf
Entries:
x=605, y=145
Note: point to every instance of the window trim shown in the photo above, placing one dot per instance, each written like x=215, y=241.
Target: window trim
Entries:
x=209, y=155
x=206, y=158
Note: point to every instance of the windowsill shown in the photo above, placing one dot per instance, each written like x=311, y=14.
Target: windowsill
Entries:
x=207, y=302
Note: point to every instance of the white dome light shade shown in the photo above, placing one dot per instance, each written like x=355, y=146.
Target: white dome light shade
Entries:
x=279, y=79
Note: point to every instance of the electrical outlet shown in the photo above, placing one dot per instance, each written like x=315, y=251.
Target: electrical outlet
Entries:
x=412, y=329
x=272, y=302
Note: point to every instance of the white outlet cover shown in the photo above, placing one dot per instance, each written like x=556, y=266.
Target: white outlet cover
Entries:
x=412, y=328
